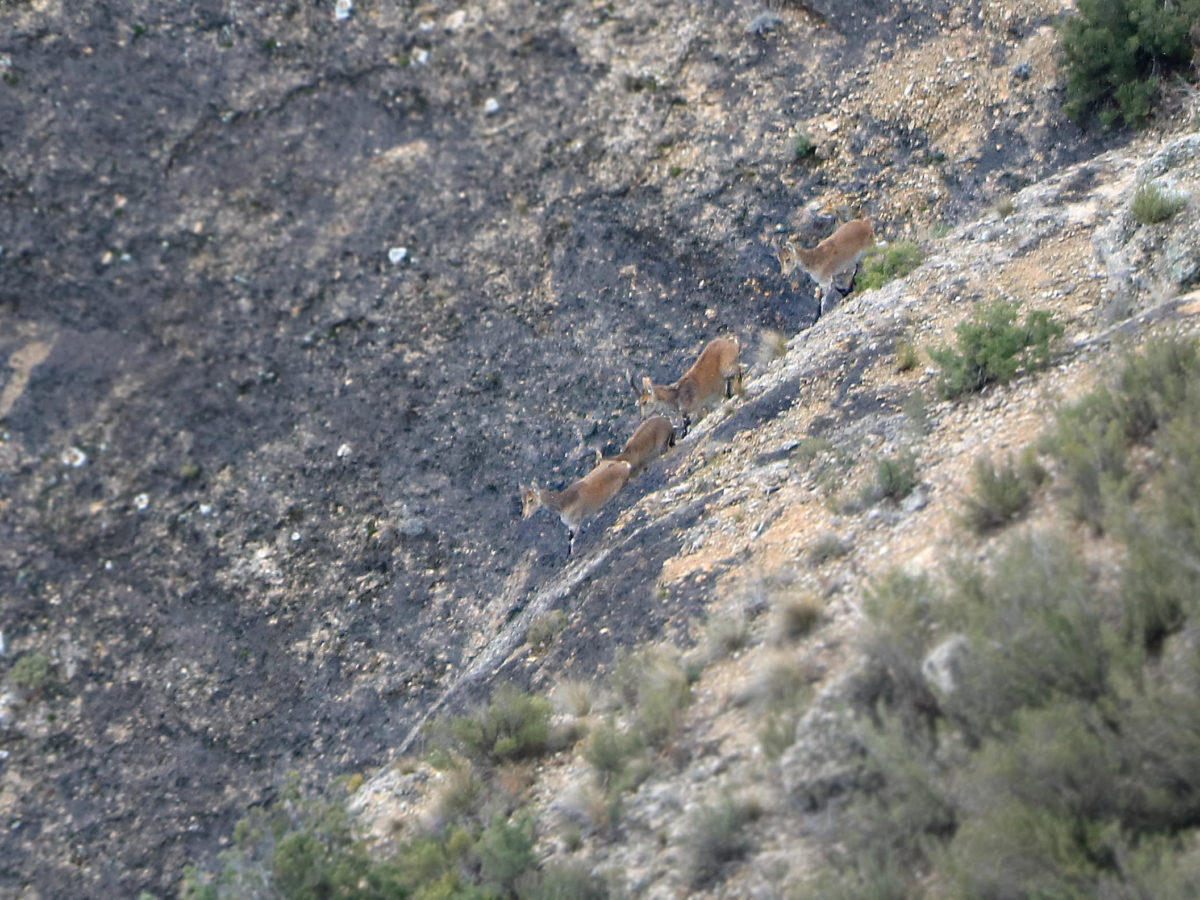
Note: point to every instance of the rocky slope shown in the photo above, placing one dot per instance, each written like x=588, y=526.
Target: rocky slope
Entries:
x=293, y=303
x=777, y=472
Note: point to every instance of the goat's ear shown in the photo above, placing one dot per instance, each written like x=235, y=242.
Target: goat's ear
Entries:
x=647, y=385
x=633, y=382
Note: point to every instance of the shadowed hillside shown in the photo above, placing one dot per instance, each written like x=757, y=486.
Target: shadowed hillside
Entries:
x=291, y=304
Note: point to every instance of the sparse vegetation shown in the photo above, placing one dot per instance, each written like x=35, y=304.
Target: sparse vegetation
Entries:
x=1152, y=204
x=30, y=671
x=727, y=634
x=514, y=725
x=895, y=479
x=1002, y=494
x=545, y=628
x=907, y=358
x=1090, y=437
x=798, y=614
x=916, y=412
x=884, y=262
x=992, y=348
x=1116, y=51
x=804, y=147
x=1063, y=759
x=827, y=546
x=716, y=836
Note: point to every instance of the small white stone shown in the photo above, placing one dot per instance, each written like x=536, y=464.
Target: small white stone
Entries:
x=141, y=501
x=295, y=536
x=491, y=106
x=73, y=457
x=205, y=509
x=342, y=9
x=421, y=55
x=397, y=255
x=344, y=450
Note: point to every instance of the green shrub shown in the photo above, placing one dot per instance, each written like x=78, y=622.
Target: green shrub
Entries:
x=895, y=479
x=798, y=614
x=545, y=628
x=1002, y=494
x=900, y=618
x=608, y=750
x=777, y=734
x=1090, y=443
x=716, y=835
x=992, y=348
x=727, y=634
x=562, y=881
x=505, y=851
x=884, y=262
x=1090, y=437
x=1055, y=633
x=1160, y=572
x=1063, y=759
x=515, y=725
x=652, y=682
x=1151, y=204
x=827, y=546
x=804, y=147
x=906, y=357
x=1115, y=51
x=30, y=671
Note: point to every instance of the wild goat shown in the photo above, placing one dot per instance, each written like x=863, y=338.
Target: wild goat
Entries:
x=649, y=441
x=581, y=498
x=713, y=373
x=840, y=252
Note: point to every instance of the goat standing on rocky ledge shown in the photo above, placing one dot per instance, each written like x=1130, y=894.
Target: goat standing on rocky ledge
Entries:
x=581, y=498
x=713, y=374
x=840, y=252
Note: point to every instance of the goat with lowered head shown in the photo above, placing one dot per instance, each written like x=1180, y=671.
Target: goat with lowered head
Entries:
x=581, y=498
x=840, y=252
x=712, y=376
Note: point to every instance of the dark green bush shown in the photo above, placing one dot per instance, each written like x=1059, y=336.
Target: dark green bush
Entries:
x=1064, y=758
x=608, y=749
x=1002, y=494
x=884, y=262
x=716, y=835
x=652, y=682
x=1090, y=437
x=30, y=671
x=562, y=881
x=895, y=479
x=1115, y=52
x=826, y=547
x=804, y=147
x=895, y=639
x=505, y=851
x=1037, y=632
x=515, y=725
x=992, y=348
x=1151, y=204
x=1161, y=573
x=545, y=628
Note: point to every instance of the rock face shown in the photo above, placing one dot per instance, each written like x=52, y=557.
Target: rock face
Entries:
x=294, y=298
